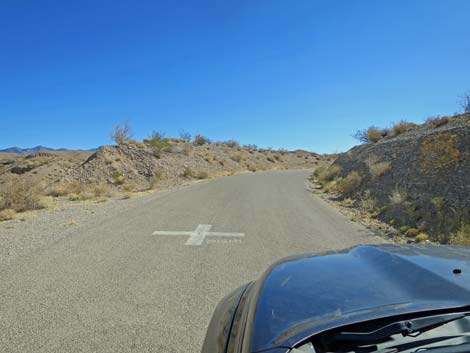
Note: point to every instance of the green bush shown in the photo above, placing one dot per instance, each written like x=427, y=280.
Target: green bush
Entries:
x=462, y=236
x=158, y=143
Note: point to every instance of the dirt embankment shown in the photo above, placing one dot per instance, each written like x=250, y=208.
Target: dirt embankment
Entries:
x=417, y=180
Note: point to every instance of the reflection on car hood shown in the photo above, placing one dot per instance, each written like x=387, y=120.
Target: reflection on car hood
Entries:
x=314, y=293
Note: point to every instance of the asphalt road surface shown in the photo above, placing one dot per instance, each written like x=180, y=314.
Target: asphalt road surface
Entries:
x=118, y=286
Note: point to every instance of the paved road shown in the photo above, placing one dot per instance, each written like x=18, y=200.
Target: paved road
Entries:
x=115, y=287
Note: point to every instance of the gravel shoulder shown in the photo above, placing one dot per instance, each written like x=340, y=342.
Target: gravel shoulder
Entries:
x=32, y=231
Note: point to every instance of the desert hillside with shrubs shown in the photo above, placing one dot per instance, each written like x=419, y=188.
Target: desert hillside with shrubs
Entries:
x=34, y=181
x=414, y=177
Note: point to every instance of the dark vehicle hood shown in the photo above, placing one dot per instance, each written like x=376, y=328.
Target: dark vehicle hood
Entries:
x=302, y=296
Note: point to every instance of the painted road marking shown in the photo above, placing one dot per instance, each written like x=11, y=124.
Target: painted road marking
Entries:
x=198, y=236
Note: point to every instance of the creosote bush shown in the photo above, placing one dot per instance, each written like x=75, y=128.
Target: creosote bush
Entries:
x=370, y=135
x=158, y=143
x=121, y=134
x=200, y=140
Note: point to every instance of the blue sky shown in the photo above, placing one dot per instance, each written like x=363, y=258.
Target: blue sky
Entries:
x=291, y=74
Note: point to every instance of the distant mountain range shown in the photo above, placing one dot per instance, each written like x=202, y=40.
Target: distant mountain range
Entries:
x=30, y=150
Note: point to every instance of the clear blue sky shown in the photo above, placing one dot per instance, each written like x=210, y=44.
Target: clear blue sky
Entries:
x=292, y=74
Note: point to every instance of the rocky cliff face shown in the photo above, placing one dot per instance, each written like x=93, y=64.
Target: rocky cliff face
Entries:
x=420, y=178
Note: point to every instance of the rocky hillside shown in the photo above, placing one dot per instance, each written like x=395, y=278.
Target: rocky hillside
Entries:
x=415, y=177
x=140, y=164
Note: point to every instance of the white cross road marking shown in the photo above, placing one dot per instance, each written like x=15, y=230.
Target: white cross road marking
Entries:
x=198, y=236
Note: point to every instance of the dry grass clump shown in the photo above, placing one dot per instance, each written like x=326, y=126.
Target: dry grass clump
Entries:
x=462, y=236
x=20, y=195
x=398, y=197
x=237, y=158
x=367, y=203
x=7, y=214
x=349, y=184
x=439, y=151
x=118, y=178
x=231, y=143
x=202, y=174
x=401, y=127
x=187, y=173
x=437, y=121
x=376, y=168
x=325, y=173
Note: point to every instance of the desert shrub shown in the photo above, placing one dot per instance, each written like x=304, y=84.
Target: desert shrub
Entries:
x=129, y=187
x=251, y=146
x=367, y=203
x=437, y=121
x=118, y=178
x=277, y=157
x=57, y=190
x=157, y=176
x=369, y=135
x=439, y=151
x=20, y=195
x=74, y=197
x=325, y=173
x=121, y=134
x=231, y=143
x=7, y=214
x=101, y=190
x=401, y=127
x=188, y=172
x=184, y=135
x=465, y=103
x=398, y=197
x=270, y=159
x=380, y=169
x=462, y=236
x=349, y=184
x=422, y=237
x=412, y=232
x=158, y=143
x=200, y=140
x=202, y=174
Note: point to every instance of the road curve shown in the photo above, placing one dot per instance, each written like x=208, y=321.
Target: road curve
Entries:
x=117, y=287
